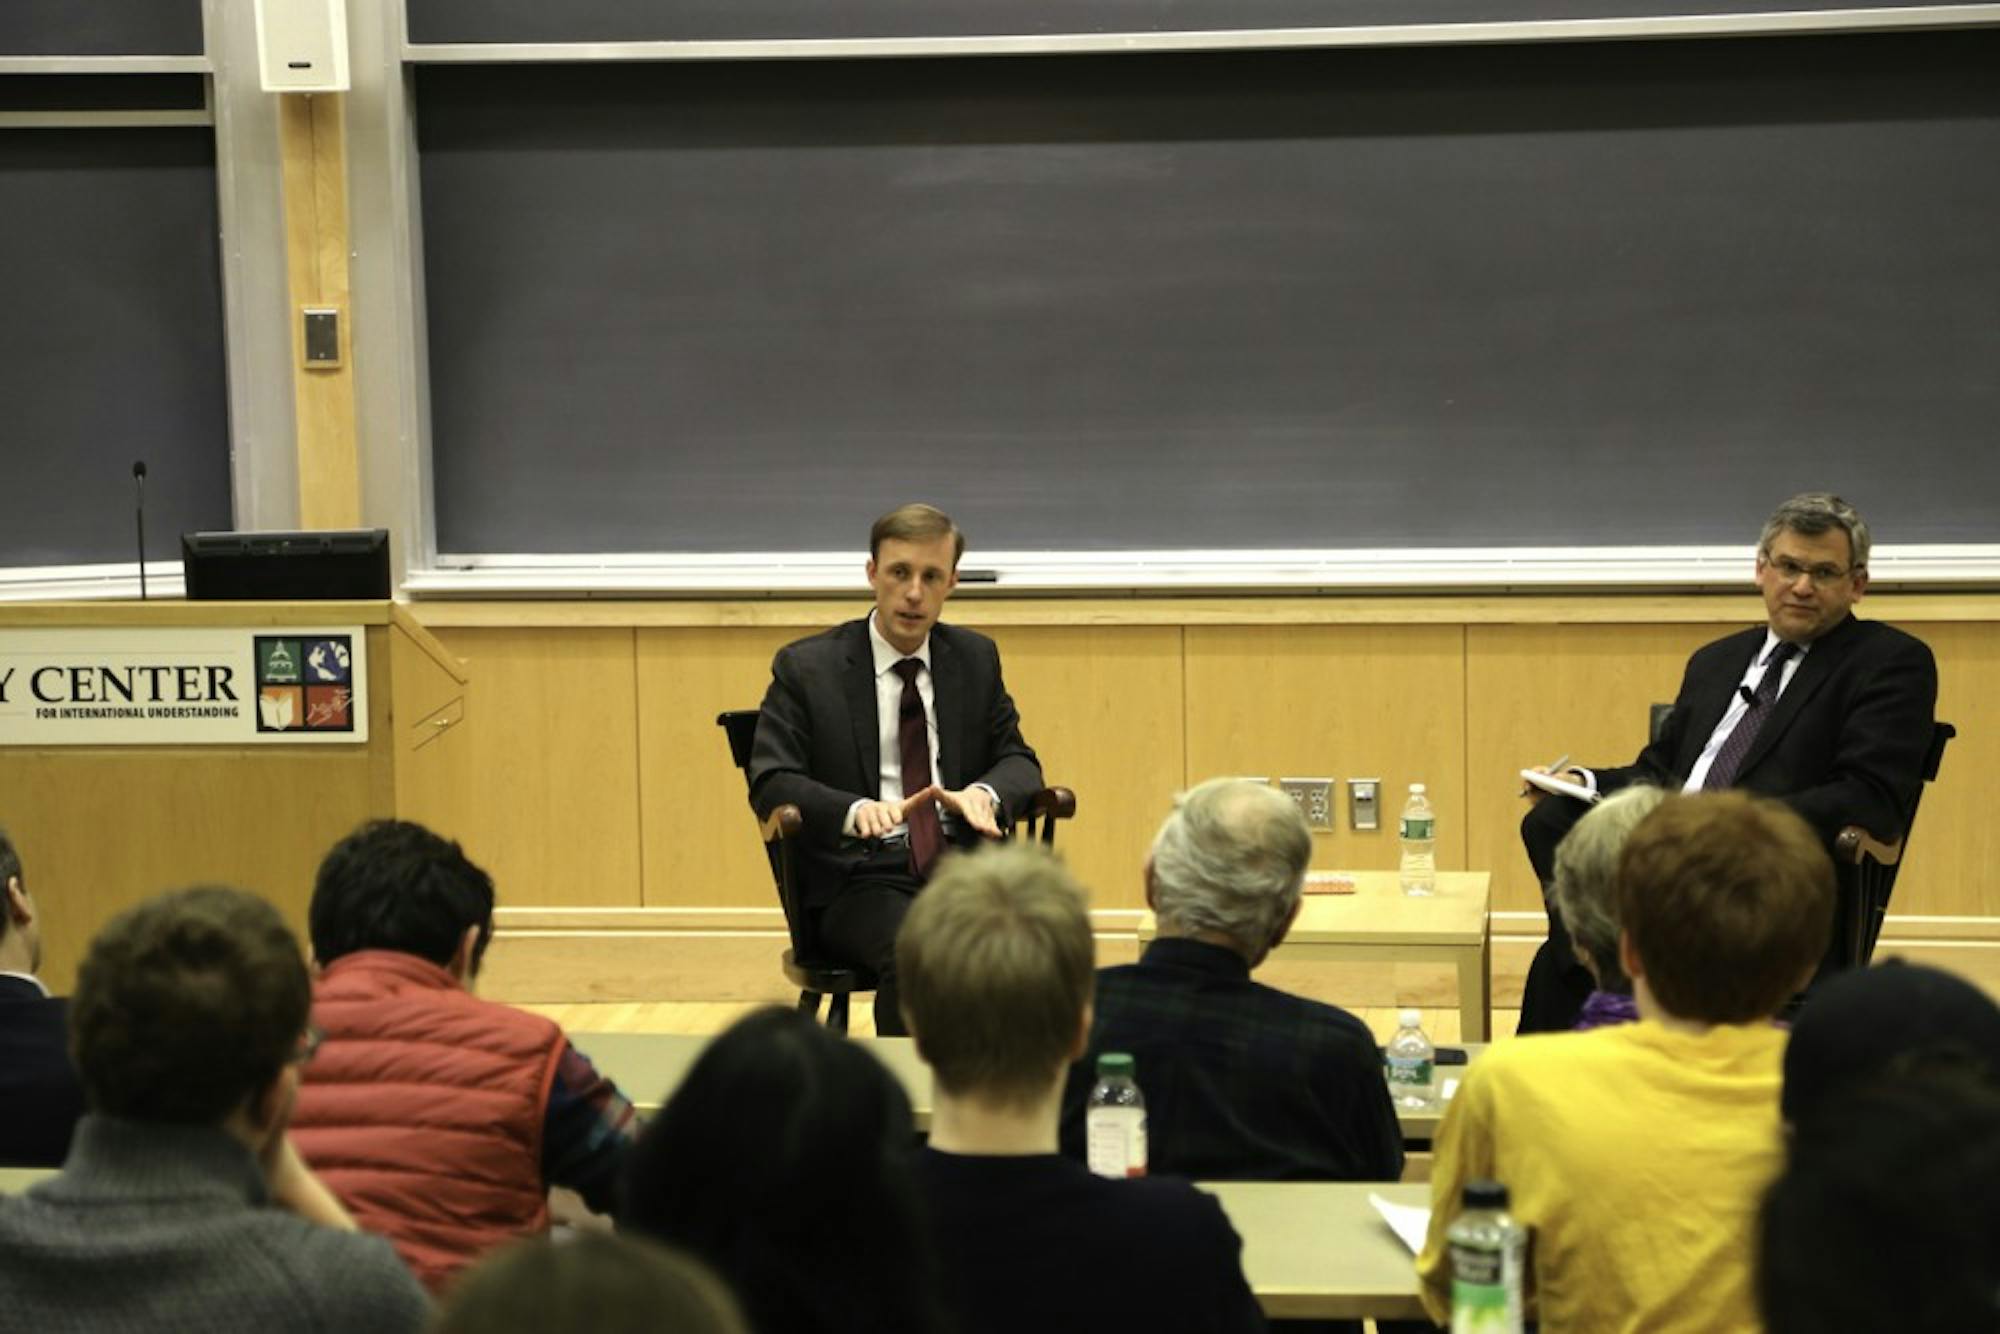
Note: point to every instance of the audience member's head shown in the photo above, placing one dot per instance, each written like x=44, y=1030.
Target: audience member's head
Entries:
x=1890, y=1019
x=783, y=1160
x=595, y=1282
x=395, y=885
x=1726, y=901
x=997, y=967
x=20, y=928
x=189, y=1008
x=1885, y=1215
x=1229, y=864
x=1585, y=888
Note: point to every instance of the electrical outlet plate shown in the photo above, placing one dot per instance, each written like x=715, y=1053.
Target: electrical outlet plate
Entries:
x=1315, y=799
x=1364, y=803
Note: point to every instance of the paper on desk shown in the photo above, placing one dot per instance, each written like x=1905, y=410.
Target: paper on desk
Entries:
x=1410, y=1222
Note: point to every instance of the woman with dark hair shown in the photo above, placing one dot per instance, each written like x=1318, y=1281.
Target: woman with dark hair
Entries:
x=784, y=1161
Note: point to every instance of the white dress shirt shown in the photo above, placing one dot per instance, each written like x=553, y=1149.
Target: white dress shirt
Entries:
x=888, y=720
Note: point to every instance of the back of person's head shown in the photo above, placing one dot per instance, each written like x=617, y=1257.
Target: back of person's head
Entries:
x=10, y=878
x=593, y=1281
x=1585, y=888
x=996, y=964
x=187, y=1005
x=1891, y=1018
x=395, y=885
x=783, y=1159
x=1728, y=901
x=1231, y=859
x=1885, y=1217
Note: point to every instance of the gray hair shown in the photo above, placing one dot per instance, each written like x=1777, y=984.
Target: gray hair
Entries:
x=1231, y=858
x=1812, y=513
x=1585, y=886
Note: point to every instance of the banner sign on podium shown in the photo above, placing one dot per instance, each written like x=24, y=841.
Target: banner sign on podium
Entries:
x=169, y=686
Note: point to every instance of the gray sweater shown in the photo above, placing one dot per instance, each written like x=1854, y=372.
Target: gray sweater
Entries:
x=160, y=1228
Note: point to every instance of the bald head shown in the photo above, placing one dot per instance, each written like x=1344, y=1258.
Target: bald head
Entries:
x=1230, y=861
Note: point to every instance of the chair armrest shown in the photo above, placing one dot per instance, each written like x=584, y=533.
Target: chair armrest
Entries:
x=1054, y=803
x=785, y=822
x=1853, y=843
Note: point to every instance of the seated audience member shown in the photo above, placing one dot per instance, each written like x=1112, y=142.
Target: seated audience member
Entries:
x=1886, y=1021
x=1637, y=1153
x=995, y=959
x=1887, y=1216
x=40, y=1098
x=593, y=1282
x=784, y=1160
x=440, y=1119
x=1585, y=891
x=182, y=1205
x=1242, y=1081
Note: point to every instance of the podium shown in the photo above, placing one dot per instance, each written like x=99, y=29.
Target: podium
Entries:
x=101, y=824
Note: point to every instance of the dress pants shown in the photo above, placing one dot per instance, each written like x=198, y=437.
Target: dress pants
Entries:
x=860, y=925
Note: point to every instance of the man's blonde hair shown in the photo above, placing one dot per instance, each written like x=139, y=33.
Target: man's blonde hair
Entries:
x=996, y=965
x=916, y=522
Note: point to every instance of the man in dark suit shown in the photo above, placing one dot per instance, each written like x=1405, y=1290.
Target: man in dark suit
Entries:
x=40, y=1097
x=1827, y=713
x=894, y=736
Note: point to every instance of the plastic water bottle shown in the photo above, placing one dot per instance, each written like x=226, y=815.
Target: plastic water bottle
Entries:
x=1115, y=1123
x=1418, y=869
x=1410, y=1061
x=1487, y=1249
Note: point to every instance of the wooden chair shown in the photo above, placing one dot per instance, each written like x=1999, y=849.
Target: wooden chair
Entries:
x=806, y=964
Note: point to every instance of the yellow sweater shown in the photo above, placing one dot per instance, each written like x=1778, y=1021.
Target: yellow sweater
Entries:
x=1637, y=1156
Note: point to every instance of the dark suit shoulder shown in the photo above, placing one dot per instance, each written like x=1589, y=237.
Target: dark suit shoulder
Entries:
x=963, y=640
x=836, y=641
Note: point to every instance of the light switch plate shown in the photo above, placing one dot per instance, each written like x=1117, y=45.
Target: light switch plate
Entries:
x=1364, y=803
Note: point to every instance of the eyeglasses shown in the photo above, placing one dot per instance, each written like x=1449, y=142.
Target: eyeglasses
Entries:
x=1822, y=576
x=308, y=1045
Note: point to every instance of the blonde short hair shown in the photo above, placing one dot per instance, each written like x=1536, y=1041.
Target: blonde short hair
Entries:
x=916, y=522
x=997, y=966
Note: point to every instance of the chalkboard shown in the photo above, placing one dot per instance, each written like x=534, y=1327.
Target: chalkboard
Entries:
x=100, y=28
x=111, y=345
x=538, y=21
x=1580, y=294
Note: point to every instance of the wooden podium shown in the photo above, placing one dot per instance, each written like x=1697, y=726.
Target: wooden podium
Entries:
x=100, y=827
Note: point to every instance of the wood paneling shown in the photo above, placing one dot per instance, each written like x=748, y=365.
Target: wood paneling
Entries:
x=1361, y=701
x=1534, y=692
x=1955, y=843
x=699, y=837
x=313, y=148
x=544, y=790
x=1102, y=708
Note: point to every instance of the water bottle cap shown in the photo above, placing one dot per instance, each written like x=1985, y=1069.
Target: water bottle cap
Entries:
x=1418, y=789
x=1484, y=1195
x=1114, y=1063
x=1410, y=1018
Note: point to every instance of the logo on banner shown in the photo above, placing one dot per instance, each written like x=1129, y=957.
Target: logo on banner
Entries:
x=305, y=685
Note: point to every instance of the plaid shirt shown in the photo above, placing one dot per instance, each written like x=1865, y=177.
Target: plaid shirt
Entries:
x=1242, y=1082
x=589, y=1127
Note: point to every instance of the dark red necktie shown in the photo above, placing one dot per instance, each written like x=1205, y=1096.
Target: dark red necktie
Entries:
x=1737, y=744
x=913, y=743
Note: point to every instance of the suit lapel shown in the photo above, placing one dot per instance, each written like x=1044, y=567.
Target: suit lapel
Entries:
x=948, y=697
x=1814, y=670
x=1713, y=700
x=857, y=679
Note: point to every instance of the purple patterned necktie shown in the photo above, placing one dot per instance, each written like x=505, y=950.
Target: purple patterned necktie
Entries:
x=913, y=744
x=1737, y=744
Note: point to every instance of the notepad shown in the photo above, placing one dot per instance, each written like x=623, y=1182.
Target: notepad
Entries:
x=1410, y=1222
x=1562, y=787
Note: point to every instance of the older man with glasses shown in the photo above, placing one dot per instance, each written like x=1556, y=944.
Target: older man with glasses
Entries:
x=1830, y=714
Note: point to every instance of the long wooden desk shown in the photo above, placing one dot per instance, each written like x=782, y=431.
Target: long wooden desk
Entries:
x=1318, y=1250
x=648, y=1067
x=1378, y=923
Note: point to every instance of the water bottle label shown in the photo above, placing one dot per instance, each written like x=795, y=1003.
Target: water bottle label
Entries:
x=1419, y=826
x=1407, y=1071
x=1115, y=1141
x=1485, y=1290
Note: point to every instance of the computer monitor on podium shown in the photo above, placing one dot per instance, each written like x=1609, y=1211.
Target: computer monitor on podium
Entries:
x=348, y=565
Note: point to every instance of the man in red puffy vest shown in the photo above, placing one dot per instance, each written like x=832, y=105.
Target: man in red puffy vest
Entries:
x=441, y=1120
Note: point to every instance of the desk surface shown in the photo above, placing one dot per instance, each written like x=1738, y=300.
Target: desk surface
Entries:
x=1318, y=1249
x=648, y=1067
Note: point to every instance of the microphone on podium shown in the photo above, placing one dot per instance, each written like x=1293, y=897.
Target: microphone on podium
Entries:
x=139, y=519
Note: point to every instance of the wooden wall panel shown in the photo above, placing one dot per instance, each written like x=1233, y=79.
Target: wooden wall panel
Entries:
x=1102, y=708
x=1956, y=841
x=1366, y=701
x=544, y=792
x=1536, y=691
x=699, y=836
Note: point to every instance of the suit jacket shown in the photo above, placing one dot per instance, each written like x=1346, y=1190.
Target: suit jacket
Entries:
x=40, y=1096
x=819, y=746
x=1843, y=745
